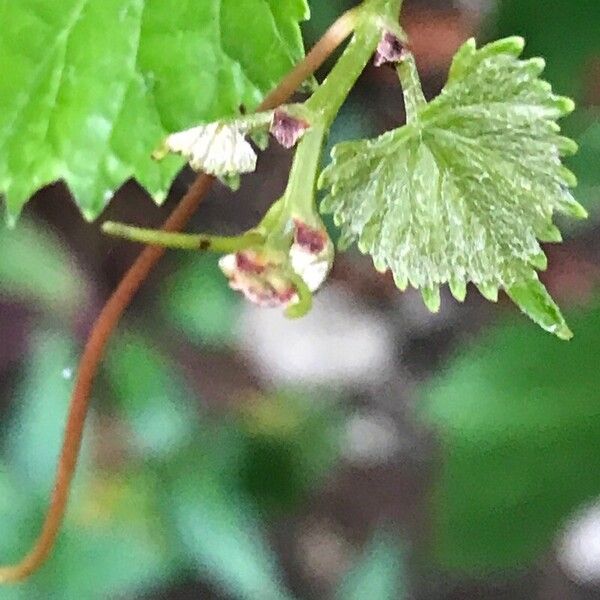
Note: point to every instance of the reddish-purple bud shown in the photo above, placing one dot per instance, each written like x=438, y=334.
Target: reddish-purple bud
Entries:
x=389, y=50
x=309, y=239
x=286, y=129
x=247, y=262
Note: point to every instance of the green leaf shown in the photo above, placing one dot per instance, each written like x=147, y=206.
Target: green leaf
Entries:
x=198, y=301
x=378, y=575
x=519, y=420
x=290, y=444
x=90, y=87
x=153, y=397
x=463, y=192
x=223, y=537
x=35, y=267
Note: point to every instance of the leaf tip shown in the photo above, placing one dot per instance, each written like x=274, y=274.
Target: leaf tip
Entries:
x=568, y=177
x=563, y=332
x=565, y=105
x=159, y=197
x=431, y=297
x=515, y=43
x=539, y=261
x=89, y=215
x=488, y=291
x=11, y=219
x=567, y=146
x=401, y=281
x=458, y=290
x=579, y=211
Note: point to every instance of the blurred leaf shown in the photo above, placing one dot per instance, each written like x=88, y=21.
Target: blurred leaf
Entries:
x=15, y=529
x=35, y=267
x=566, y=35
x=89, y=87
x=378, y=575
x=112, y=544
x=291, y=441
x=156, y=401
x=41, y=401
x=223, y=537
x=322, y=15
x=198, y=301
x=586, y=163
x=519, y=418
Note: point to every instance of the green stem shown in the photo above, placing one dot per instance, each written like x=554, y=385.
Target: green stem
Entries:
x=331, y=94
x=414, y=99
x=305, y=298
x=325, y=103
x=183, y=241
x=299, y=198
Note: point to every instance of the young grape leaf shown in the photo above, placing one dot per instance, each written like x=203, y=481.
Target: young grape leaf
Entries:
x=90, y=87
x=463, y=192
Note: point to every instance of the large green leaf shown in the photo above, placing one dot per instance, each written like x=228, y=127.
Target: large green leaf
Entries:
x=89, y=87
x=519, y=418
x=463, y=192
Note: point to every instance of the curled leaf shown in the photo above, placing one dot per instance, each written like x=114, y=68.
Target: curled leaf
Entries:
x=219, y=149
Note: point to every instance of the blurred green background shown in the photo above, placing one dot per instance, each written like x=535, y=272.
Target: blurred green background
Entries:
x=369, y=452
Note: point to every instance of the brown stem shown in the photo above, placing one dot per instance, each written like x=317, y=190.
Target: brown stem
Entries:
x=120, y=299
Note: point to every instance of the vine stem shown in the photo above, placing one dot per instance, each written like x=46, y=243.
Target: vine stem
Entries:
x=120, y=299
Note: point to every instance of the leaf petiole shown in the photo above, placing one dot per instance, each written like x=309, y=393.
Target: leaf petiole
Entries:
x=183, y=241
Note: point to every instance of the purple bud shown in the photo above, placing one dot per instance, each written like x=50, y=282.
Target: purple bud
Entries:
x=389, y=49
x=286, y=129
